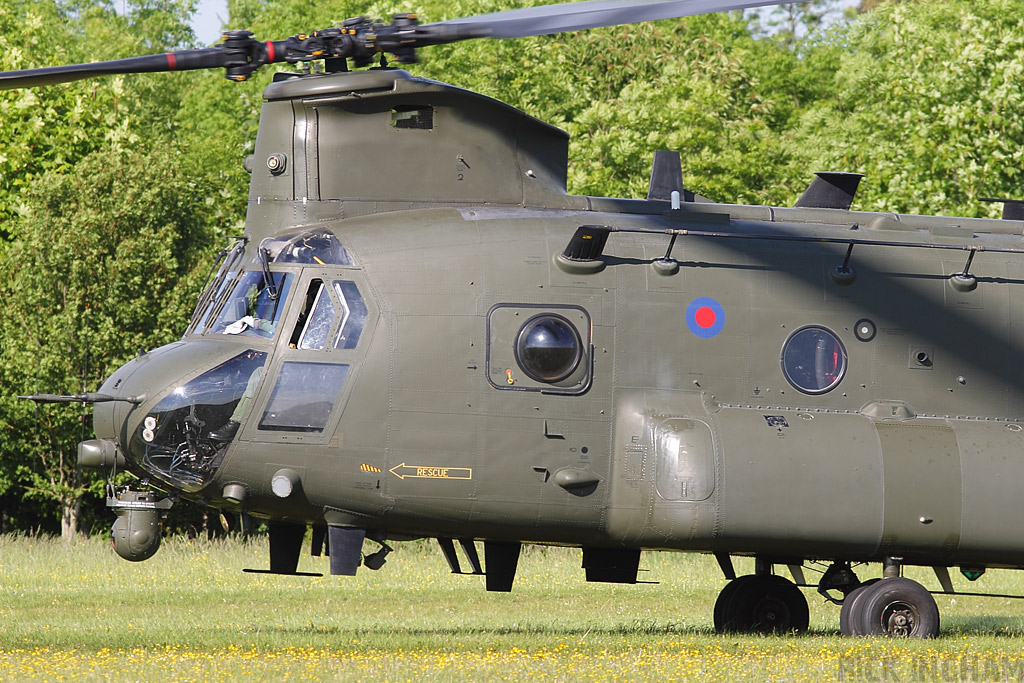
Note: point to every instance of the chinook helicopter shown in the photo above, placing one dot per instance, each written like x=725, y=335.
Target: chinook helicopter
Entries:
x=471, y=354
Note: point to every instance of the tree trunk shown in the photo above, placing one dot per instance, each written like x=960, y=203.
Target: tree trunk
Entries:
x=69, y=518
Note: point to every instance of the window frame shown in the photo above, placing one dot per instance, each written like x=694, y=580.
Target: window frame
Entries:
x=282, y=381
x=355, y=357
x=505, y=322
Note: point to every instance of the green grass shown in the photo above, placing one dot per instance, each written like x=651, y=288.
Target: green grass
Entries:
x=190, y=613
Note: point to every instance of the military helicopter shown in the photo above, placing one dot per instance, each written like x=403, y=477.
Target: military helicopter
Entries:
x=471, y=354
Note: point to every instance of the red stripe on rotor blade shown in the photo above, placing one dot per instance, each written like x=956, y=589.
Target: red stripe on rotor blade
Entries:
x=270, y=51
x=172, y=63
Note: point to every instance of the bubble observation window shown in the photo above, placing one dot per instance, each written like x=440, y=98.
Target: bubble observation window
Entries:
x=548, y=348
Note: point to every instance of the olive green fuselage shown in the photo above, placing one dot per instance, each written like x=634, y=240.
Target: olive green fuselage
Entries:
x=681, y=426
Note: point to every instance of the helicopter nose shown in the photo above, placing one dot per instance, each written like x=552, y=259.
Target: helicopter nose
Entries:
x=110, y=418
x=179, y=431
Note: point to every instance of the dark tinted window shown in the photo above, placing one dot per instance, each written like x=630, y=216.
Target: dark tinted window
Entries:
x=548, y=348
x=814, y=360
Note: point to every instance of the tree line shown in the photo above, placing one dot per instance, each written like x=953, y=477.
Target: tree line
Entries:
x=115, y=193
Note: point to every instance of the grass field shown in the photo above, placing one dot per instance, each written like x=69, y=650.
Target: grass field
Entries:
x=81, y=613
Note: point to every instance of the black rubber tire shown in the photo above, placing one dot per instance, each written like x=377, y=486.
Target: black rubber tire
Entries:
x=898, y=608
x=767, y=604
x=722, y=603
x=848, y=622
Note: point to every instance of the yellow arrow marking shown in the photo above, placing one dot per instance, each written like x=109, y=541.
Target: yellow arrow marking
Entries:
x=404, y=471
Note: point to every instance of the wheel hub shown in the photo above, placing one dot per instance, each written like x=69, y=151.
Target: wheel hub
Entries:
x=900, y=620
x=771, y=615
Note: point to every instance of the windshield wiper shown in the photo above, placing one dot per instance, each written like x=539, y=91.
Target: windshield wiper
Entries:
x=267, y=277
x=211, y=288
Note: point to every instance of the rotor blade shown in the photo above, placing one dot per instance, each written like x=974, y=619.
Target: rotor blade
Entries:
x=183, y=60
x=577, y=16
x=362, y=39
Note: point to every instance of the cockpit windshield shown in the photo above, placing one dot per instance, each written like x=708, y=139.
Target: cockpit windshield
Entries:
x=318, y=246
x=254, y=305
x=183, y=438
x=214, y=289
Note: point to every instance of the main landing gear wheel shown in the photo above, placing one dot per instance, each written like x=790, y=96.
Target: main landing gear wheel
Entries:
x=846, y=624
x=761, y=604
x=724, y=598
x=899, y=608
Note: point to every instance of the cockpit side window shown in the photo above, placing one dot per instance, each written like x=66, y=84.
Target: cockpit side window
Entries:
x=314, y=323
x=353, y=315
x=303, y=397
x=254, y=305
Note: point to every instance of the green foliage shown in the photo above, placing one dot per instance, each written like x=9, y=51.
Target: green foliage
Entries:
x=215, y=125
x=927, y=104
x=106, y=263
x=706, y=101
x=108, y=227
x=52, y=128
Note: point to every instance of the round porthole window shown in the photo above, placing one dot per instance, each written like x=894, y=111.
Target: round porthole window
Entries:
x=548, y=348
x=814, y=360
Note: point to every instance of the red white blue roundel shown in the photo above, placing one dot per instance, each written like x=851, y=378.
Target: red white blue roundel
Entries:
x=705, y=317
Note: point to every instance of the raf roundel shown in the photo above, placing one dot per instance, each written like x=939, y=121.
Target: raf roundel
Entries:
x=705, y=317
